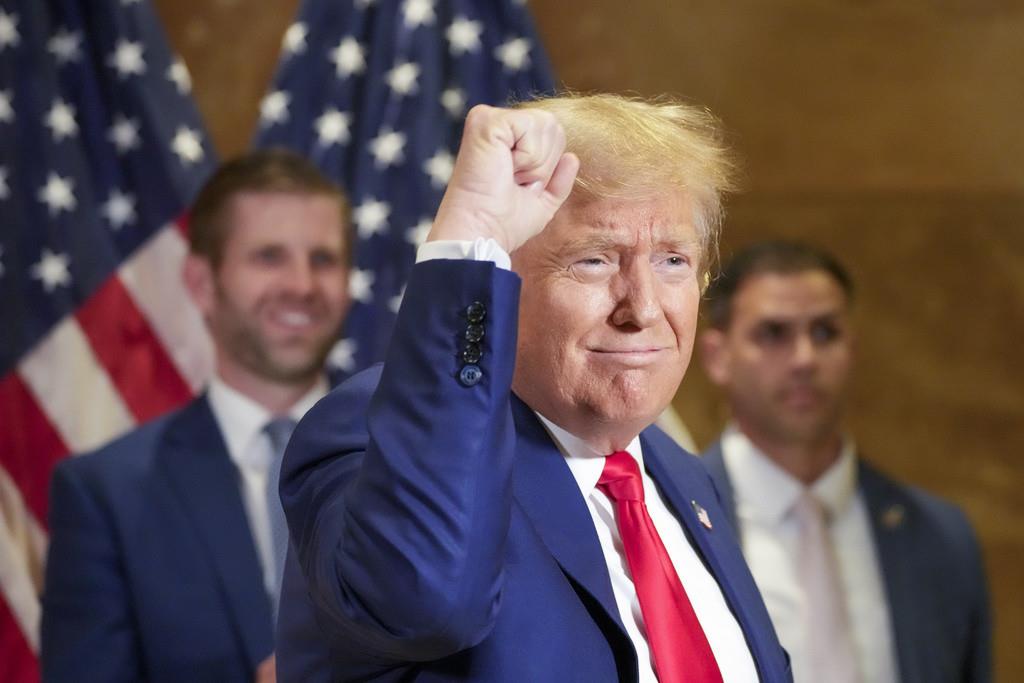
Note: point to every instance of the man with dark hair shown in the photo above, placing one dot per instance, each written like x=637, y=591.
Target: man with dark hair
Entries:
x=167, y=545
x=865, y=579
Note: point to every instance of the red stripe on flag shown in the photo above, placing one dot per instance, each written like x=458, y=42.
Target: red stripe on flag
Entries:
x=18, y=663
x=29, y=445
x=132, y=355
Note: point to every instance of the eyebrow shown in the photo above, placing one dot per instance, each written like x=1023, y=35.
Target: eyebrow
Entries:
x=602, y=241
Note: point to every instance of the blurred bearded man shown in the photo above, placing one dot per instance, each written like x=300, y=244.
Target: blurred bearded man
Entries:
x=167, y=546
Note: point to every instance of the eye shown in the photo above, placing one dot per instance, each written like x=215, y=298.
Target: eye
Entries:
x=269, y=255
x=771, y=333
x=324, y=259
x=825, y=331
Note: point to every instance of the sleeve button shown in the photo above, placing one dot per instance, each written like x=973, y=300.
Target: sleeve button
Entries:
x=476, y=312
x=470, y=375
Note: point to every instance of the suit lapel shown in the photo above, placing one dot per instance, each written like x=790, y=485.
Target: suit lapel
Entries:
x=541, y=480
x=714, y=463
x=890, y=527
x=195, y=460
x=683, y=484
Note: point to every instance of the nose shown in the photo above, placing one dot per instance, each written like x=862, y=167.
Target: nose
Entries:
x=300, y=277
x=805, y=351
x=637, y=302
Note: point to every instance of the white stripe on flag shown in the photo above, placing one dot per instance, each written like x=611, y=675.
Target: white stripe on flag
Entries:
x=73, y=389
x=153, y=277
x=22, y=544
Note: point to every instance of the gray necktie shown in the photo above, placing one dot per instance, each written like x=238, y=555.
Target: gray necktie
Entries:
x=278, y=430
x=830, y=641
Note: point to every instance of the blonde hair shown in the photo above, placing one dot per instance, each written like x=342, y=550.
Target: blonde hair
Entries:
x=633, y=148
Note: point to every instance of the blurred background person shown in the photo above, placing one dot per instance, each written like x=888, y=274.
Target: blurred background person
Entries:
x=865, y=579
x=167, y=545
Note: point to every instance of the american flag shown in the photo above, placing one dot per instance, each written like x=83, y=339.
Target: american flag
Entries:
x=375, y=92
x=101, y=149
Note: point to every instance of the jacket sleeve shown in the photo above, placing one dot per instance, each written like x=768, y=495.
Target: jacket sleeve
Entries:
x=397, y=485
x=88, y=632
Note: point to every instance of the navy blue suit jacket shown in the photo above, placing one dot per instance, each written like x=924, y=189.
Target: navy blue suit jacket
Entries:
x=934, y=580
x=438, y=534
x=152, y=572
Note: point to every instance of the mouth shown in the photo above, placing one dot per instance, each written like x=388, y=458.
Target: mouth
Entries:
x=633, y=357
x=293, y=319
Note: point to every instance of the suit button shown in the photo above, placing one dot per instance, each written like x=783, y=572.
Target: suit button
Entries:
x=470, y=375
x=474, y=333
x=472, y=353
x=476, y=312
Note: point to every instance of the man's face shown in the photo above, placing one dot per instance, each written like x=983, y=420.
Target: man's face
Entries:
x=607, y=314
x=785, y=359
x=276, y=301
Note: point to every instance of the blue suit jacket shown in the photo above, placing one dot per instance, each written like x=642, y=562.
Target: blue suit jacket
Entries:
x=152, y=573
x=934, y=580
x=438, y=534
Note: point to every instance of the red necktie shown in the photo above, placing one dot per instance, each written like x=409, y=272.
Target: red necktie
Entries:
x=680, y=648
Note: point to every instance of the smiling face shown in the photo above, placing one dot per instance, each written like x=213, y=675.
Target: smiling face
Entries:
x=607, y=315
x=275, y=302
x=784, y=359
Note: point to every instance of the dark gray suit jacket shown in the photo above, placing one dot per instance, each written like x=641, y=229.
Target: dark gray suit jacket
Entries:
x=934, y=578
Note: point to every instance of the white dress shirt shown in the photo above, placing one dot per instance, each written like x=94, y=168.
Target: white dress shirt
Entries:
x=765, y=495
x=720, y=626
x=241, y=421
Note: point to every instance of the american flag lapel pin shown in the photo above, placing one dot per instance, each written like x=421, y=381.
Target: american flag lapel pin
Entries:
x=702, y=514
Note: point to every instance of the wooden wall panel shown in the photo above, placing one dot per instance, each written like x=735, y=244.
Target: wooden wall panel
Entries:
x=888, y=132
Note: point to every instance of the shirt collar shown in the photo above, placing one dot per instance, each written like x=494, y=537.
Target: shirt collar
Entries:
x=584, y=462
x=241, y=419
x=767, y=491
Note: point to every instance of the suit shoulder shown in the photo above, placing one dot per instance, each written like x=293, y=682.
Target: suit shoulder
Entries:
x=123, y=458
x=929, y=513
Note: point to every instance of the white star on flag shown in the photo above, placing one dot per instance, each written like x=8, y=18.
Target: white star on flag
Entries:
x=454, y=102
x=187, y=146
x=274, y=108
x=294, y=41
x=119, y=209
x=9, y=36
x=178, y=73
x=58, y=194
x=418, y=13
x=127, y=59
x=124, y=133
x=65, y=46
x=343, y=354
x=6, y=111
x=5, y=191
x=360, y=284
x=332, y=127
x=514, y=54
x=387, y=148
x=52, y=270
x=463, y=35
x=61, y=120
x=371, y=217
x=439, y=167
x=417, y=234
x=349, y=57
x=395, y=302
x=402, y=78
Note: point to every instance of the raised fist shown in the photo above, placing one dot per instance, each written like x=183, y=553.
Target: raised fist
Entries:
x=511, y=176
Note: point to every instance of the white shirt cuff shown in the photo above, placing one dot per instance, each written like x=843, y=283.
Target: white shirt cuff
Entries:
x=480, y=249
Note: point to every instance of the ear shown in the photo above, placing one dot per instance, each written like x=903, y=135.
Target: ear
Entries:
x=714, y=355
x=199, y=281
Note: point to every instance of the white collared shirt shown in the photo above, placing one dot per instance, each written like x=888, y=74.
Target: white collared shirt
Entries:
x=241, y=421
x=765, y=494
x=720, y=626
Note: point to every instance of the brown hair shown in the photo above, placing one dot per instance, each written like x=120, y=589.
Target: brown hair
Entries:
x=262, y=171
x=636, y=148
